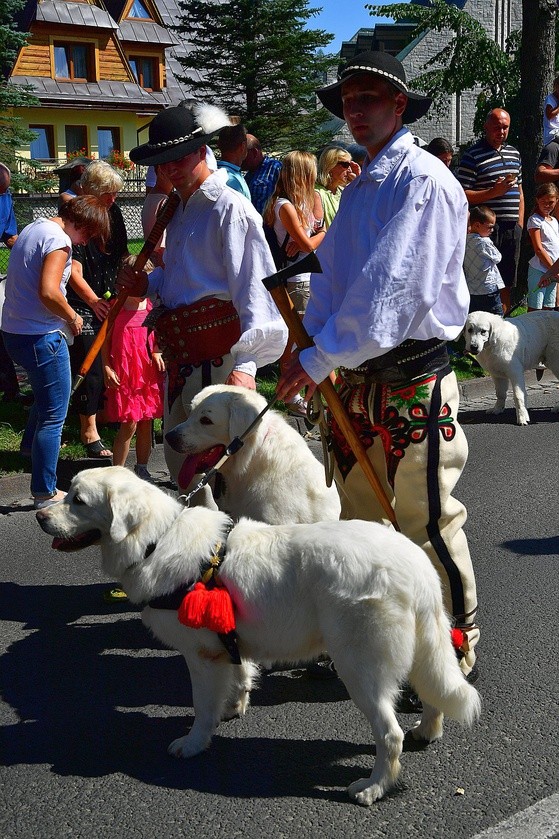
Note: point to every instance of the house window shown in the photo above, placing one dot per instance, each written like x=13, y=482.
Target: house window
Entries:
x=73, y=61
x=108, y=140
x=138, y=10
x=76, y=139
x=146, y=71
x=42, y=147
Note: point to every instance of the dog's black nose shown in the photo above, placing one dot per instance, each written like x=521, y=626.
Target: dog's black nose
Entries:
x=174, y=439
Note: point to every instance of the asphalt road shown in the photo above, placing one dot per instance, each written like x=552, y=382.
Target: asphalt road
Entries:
x=90, y=701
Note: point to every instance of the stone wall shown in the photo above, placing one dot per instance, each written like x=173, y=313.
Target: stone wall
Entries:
x=456, y=121
x=499, y=18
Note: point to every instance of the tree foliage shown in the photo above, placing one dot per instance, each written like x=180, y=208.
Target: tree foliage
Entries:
x=469, y=60
x=256, y=59
x=13, y=134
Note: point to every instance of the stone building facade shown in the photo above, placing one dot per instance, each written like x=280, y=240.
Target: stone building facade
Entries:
x=499, y=18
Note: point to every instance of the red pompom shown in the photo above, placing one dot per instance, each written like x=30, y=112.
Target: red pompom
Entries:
x=193, y=607
x=458, y=637
x=208, y=608
x=219, y=611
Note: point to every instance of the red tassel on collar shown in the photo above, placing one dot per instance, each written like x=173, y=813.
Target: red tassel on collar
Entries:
x=210, y=608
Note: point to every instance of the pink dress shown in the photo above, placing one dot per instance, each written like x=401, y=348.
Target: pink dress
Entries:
x=139, y=396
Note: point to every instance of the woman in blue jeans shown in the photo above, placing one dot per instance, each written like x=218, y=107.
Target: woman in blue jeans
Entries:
x=38, y=322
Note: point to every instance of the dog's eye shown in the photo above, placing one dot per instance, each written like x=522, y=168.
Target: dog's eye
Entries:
x=77, y=500
x=205, y=421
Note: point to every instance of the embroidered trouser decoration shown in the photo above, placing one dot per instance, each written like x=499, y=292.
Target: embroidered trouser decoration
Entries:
x=418, y=450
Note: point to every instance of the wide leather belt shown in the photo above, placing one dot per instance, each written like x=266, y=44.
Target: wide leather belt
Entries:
x=410, y=360
x=195, y=333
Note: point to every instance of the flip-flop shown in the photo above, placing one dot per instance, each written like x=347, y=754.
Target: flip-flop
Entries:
x=94, y=449
x=115, y=595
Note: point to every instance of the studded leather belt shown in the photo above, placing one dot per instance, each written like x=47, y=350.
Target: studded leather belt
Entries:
x=406, y=362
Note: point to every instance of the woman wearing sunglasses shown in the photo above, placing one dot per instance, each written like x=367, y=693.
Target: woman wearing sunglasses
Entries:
x=335, y=170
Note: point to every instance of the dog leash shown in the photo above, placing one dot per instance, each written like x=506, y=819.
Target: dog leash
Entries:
x=234, y=446
x=522, y=302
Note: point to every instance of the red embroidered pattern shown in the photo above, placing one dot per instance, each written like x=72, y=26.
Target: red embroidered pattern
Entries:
x=395, y=430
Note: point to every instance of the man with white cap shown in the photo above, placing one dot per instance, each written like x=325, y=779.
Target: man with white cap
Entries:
x=391, y=294
x=219, y=323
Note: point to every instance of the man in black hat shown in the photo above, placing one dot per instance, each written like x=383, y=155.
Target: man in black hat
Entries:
x=391, y=294
x=219, y=323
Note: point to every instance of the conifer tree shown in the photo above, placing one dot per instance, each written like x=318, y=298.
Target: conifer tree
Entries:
x=256, y=59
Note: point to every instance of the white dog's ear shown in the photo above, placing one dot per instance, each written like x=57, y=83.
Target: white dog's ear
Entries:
x=128, y=510
x=242, y=412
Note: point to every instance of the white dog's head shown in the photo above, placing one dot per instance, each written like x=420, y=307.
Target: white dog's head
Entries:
x=148, y=540
x=101, y=503
x=218, y=414
x=478, y=331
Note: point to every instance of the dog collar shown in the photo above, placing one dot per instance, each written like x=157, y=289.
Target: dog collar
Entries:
x=173, y=600
x=208, y=573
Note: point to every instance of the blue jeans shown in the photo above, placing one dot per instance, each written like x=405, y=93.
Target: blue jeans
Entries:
x=46, y=360
x=540, y=298
x=486, y=303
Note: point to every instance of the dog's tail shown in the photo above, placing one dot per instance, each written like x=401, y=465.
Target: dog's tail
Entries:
x=436, y=674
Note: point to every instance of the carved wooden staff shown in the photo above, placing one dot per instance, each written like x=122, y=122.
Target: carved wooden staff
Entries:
x=163, y=218
x=276, y=286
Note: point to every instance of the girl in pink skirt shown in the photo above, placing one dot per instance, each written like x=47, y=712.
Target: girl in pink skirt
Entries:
x=133, y=370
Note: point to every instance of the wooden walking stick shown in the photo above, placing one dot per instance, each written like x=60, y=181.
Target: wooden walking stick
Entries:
x=164, y=216
x=276, y=286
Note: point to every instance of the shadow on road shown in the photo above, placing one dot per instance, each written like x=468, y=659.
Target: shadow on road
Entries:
x=94, y=694
x=508, y=417
x=534, y=547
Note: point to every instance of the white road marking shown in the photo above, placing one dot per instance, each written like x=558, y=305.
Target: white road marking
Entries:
x=541, y=821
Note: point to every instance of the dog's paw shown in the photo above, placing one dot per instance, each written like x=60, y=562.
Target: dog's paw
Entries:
x=523, y=419
x=364, y=792
x=186, y=747
x=425, y=732
x=236, y=709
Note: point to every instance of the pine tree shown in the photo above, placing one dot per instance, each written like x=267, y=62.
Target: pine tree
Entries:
x=256, y=59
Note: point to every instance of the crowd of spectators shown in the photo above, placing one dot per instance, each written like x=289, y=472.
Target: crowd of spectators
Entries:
x=298, y=196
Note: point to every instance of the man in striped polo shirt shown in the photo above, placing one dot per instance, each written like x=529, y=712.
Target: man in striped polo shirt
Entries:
x=491, y=173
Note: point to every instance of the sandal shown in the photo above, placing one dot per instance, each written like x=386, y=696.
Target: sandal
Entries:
x=115, y=595
x=96, y=448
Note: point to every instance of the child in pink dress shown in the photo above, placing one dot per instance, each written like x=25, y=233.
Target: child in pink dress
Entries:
x=133, y=370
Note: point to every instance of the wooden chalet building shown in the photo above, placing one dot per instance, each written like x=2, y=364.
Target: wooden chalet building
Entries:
x=101, y=70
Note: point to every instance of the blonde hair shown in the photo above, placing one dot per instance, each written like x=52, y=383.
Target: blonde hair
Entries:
x=296, y=183
x=99, y=177
x=327, y=160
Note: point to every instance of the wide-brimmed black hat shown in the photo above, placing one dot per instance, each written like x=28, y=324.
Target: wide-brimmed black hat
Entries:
x=176, y=132
x=379, y=64
x=73, y=164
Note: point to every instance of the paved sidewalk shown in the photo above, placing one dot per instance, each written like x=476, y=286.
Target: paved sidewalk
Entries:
x=475, y=395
